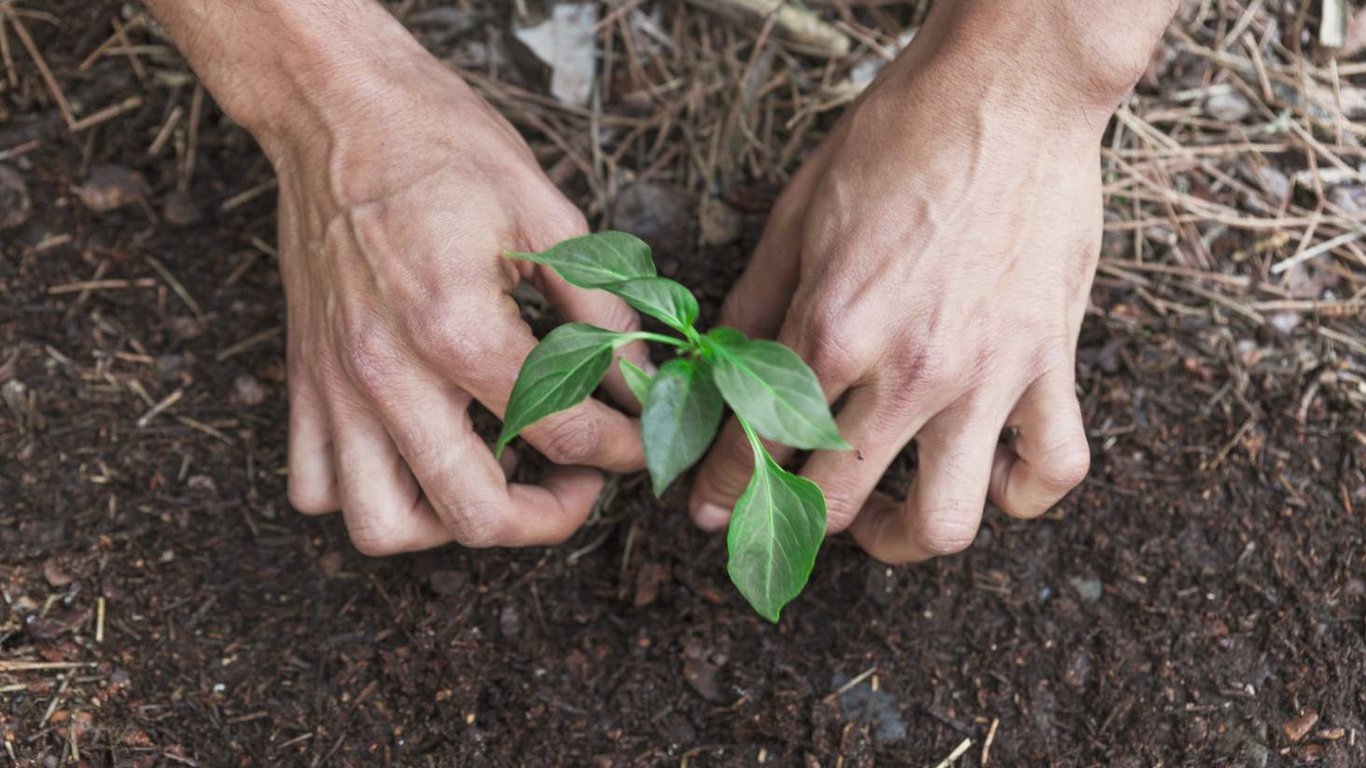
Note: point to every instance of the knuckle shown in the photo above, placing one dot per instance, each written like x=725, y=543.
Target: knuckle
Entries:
x=368, y=359
x=1066, y=466
x=937, y=366
x=376, y=540
x=926, y=373
x=441, y=329
x=477, y=525
x=947, y=530
x=841, y=505
x=1054, y=353
x=310, y=500
x=834, y=351
x=573, y=440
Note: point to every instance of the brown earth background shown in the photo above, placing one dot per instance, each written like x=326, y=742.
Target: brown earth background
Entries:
x=1200, y=600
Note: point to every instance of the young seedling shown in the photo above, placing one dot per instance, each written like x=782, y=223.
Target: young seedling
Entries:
x=779, y=521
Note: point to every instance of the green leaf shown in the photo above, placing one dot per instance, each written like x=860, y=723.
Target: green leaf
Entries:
x=637, y=380
x=681, y=415
x=775, y=531
x=560, y=372
x=594, y=260
x=660, y=298
x=769, y=386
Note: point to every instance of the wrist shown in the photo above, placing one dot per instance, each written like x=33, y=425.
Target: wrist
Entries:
x=334, y=81
x=1064, y=61
x=293, y=75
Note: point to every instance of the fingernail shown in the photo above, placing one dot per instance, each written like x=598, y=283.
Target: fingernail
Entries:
x=710, y=517
x=649, y=366
x=508, y=461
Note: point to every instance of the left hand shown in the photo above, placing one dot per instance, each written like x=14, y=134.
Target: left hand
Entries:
x=932, y=262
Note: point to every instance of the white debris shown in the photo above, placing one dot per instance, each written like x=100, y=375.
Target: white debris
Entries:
x=566, y=43
x=862, y=73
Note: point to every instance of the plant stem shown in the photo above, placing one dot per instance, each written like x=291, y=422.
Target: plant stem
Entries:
x=759, y=450
x=659, y=337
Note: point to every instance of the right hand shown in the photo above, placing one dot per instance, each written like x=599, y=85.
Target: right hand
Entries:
x=396, y=205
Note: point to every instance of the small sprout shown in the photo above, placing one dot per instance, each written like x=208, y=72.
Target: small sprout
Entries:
x=778, y=522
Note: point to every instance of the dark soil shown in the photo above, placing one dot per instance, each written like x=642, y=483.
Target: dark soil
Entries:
x=1192, y=604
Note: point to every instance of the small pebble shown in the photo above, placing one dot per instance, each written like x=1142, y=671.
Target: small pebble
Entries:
x=111, y=187
x=702, y=676
x=179, y=209
x=509, y=621
x=656, y=213
x=1352, y=200
x=55, y=574
x=1088, y=590
x=330, y=563
x=248, y=390
x=1276, y=183
x=720, y=222
x=649, y=579
x=15, y=205
x=1228, y=107
x=448, y=582
x=1298, y=727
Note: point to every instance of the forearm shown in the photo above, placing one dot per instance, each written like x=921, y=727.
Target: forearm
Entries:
x=285, y=67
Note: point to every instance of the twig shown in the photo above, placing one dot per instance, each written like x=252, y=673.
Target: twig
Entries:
x=192, y=150
x=38, y=61
x=164, y=133
x=798, y=27
x=246, y=196
x=248, y=343
x=176, y=286
x=991, y=737
x=957, y=752
x=1309, y=253
x=133, y=61
x=108, y=113
x=8, y=56
x=849, y=685
x=43, y=666
x=101, y=285
x=157, y=409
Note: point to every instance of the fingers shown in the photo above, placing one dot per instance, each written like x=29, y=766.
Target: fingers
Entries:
x=487, y=362
x=876, y=435
x=551, y=512
x=384, y=509
x=1050, y=456
x=312, y=476
x=465, y=486
x=605, y=311
x=943, y=507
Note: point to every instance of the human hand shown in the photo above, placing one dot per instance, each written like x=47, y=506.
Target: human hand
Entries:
x=396, y=205
x=932, y=262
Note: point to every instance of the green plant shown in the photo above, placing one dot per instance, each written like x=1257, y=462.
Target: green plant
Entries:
x=779, y=521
